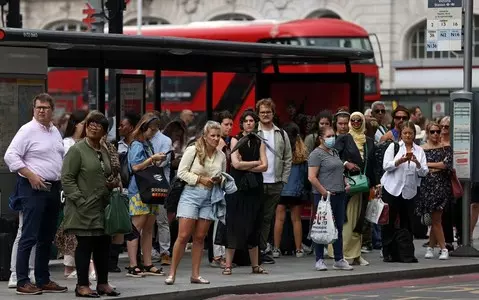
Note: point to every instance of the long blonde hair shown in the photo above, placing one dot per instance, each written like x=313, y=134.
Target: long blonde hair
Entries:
x=200, y=144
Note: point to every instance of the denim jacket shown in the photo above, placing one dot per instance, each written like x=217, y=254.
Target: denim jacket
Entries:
x=294, y=187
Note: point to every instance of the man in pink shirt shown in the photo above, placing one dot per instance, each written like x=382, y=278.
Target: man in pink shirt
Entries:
x=36, y=154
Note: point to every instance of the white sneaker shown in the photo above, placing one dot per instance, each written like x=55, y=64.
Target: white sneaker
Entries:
x=155, y=254
x=321, y=266
x=430, y=253
x=342, y=265
x=444, y=254
x=12, y=283
x=92, y=276
x=72, y=275
x=32, y=276
x=299, y=253
x=381, y=253
x=365, y=249
x=276, y=253
x=269, y=248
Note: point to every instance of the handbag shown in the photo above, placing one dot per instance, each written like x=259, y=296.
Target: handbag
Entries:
x=152, y=185
x=117, y=217
x=457, y=190
x=324, y=231
x=174, y=193
x=359, y=183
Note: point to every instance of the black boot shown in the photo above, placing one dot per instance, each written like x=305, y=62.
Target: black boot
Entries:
x=115, y=251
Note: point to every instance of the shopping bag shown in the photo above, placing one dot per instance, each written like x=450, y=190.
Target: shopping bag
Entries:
x=324, y=231
x=374, y=210
x=117, y=217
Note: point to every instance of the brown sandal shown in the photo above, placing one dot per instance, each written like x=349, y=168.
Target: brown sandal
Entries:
x=259, y=270
x=227, y=271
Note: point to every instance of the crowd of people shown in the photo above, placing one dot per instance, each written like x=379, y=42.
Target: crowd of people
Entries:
x=237, y=190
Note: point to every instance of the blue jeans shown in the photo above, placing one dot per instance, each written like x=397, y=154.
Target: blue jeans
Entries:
x=40, y=216
x=338, y=206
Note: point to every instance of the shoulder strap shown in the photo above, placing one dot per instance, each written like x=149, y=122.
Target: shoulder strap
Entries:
x=281, y=131
x=396, y=148
x=191, y=165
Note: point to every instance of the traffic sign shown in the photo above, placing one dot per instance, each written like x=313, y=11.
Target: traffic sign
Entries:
x=444, y=25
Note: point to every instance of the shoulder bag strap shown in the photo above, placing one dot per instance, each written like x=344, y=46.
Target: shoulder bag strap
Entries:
x=366, y=154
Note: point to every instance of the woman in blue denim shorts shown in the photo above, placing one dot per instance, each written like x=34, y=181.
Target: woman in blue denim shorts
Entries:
x=200, y=167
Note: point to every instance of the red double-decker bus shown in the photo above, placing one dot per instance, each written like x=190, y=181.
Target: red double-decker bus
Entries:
x=236, y=91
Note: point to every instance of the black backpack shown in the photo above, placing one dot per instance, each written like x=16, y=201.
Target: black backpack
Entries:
x=380, y=149
x=401, y=247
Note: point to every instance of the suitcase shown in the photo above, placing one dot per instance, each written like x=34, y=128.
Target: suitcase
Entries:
x=6, y=245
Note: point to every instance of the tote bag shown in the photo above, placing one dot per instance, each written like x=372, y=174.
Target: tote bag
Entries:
x=117, y=217
x=152, y=185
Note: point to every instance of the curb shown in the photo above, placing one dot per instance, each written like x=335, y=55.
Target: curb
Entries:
x=310, y=283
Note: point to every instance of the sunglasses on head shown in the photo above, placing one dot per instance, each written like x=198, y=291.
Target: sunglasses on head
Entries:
x=382, y=111
x=434, y=131
x=404, y=118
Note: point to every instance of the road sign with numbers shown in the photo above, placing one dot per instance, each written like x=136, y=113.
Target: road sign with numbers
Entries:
x=444, y=25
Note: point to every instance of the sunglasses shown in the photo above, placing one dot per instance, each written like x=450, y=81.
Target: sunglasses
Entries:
x=356, y=121
x=434, y=131
x=382, y=111
x=445, y=126
x=401, y=118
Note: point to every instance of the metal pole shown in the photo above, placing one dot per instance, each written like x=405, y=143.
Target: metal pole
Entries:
x=468, y=27
x=468, y=24
x=139, y=20
x=466, y=250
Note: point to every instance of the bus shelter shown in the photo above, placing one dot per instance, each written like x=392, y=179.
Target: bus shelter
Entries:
x=26, y=55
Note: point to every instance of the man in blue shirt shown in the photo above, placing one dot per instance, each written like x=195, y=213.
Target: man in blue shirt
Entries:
x=162, y=144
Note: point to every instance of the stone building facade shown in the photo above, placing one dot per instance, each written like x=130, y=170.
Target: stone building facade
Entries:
x=399, y=25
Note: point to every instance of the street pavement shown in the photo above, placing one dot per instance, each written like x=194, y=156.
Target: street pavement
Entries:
x=450, y=287
x=287, y=275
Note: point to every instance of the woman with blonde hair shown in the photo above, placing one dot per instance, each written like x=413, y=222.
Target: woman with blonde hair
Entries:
x=200, y=167
x=293, y=190
x=436, y=189
x=143, y=216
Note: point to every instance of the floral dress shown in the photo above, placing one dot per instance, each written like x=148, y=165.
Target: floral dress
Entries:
x=436, y=188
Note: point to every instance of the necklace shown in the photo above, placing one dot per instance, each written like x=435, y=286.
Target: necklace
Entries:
x=89, y=144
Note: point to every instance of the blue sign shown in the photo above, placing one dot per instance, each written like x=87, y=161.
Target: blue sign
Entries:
x=444, y=3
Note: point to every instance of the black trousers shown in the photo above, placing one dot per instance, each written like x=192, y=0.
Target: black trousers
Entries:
x=99, y=246
x=398, y=208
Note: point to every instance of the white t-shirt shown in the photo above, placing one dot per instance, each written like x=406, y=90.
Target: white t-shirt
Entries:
x=268, y=176
x=67, y=143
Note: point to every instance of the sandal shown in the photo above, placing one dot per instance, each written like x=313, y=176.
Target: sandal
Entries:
x=227, y=271
x=199, y=280
x=134, y=272
x=154, y=271
x=258, y=270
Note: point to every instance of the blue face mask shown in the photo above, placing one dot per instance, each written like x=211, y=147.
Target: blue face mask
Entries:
x=330, y=141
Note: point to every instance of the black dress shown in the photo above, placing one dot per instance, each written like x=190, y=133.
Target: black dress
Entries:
x=244, y=209
x=436, y=187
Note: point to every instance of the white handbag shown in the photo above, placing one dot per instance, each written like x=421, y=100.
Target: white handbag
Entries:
x=374, y=210
x=324, y=231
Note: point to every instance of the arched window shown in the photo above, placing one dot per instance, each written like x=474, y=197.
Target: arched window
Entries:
x=417, y=44
x=67, y=25
x=148, y=21
x=232, y=17
x=323, y=13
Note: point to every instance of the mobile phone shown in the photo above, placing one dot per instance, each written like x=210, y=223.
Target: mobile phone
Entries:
x=216, y=178
x=47, y=188
x=409, y=155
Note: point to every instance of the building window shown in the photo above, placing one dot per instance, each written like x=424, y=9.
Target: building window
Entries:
x=148, y=21
x=67, y=26
x=322, y=13
x=232, y=17
x=417, y=44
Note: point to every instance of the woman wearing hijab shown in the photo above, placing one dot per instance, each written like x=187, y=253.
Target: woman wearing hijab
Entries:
x=356, y=150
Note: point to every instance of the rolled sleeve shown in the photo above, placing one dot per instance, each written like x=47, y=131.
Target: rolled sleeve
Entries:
x=16, y=151
x=423, y=170
x=185, y=166
x=389, y=164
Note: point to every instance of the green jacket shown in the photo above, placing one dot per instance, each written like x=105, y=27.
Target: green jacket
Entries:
x=84, y=186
